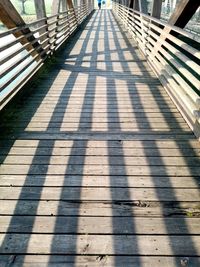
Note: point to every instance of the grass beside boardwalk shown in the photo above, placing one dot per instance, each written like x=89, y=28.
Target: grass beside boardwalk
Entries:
x=29, y=15
x=30, y=7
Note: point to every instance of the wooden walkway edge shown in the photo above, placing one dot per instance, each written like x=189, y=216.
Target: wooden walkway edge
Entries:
x=98, y=167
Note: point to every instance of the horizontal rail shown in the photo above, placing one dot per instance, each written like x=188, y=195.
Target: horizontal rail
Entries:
x=172, y=54
x=34, y=23
x=49, y=34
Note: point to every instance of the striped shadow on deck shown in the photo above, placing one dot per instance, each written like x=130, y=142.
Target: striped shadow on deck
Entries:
x=98, y=166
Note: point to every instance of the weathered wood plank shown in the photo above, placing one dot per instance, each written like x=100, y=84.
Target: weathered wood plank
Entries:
x=103, y=159
x=85, y=108
x=113, y=108
x=57, y=127
x=97, y=135
x=44, y=118
x=101, y=125
x=102, y=134
x=191, y=147
x=140, y=184
x=92, y=244
x=116, y=65
x=99, y=169
x=88, y=225
x=103, y=209
x=138, y=113
x=102, y=102
x=123, y=94
x=99, y=115
x=101, y=181
x=96, y=261
x=99, y=194
x=139, y=72
x=99, y=88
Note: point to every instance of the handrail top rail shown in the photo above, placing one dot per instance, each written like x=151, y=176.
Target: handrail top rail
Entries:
x=51, y=32
x=171, y=27
x=31, y=24
x=176, y=69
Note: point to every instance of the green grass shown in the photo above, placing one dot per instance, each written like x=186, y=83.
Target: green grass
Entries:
x=30, y=7
x=30, y=14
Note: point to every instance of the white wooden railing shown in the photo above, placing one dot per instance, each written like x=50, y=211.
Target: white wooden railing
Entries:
x=23, y=50
x=174, y=54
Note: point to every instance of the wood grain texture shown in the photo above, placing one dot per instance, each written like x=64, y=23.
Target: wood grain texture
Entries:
x=98, y=167
x=98, y=244
x=97, y=261
x=99, y=209
x=100, y=194
x=68, y=225
x=101, y=181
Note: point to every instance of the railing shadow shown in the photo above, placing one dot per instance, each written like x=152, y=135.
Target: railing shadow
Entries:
x=70, y=194
x=117, y=197
x=185, y=149
x=87, y=107
x=31, y=191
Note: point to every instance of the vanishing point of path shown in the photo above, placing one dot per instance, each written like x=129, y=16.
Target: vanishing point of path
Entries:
x=98, y=166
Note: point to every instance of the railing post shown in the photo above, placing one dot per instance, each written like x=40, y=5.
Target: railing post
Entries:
x=139, y=5
x=70, y=5
x=183, y=12
x=55, y=8
x=131, y=3
x=136, y=5
x=63, y=5
x=143, y=6
x=156, y=8
x=41, y=13
x=40, y=9
x=181, y=15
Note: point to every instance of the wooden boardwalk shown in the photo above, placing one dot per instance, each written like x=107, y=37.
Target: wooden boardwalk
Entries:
x=98, y=166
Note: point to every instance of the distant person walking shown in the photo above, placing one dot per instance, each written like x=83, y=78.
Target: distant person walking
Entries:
x=99, y=3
